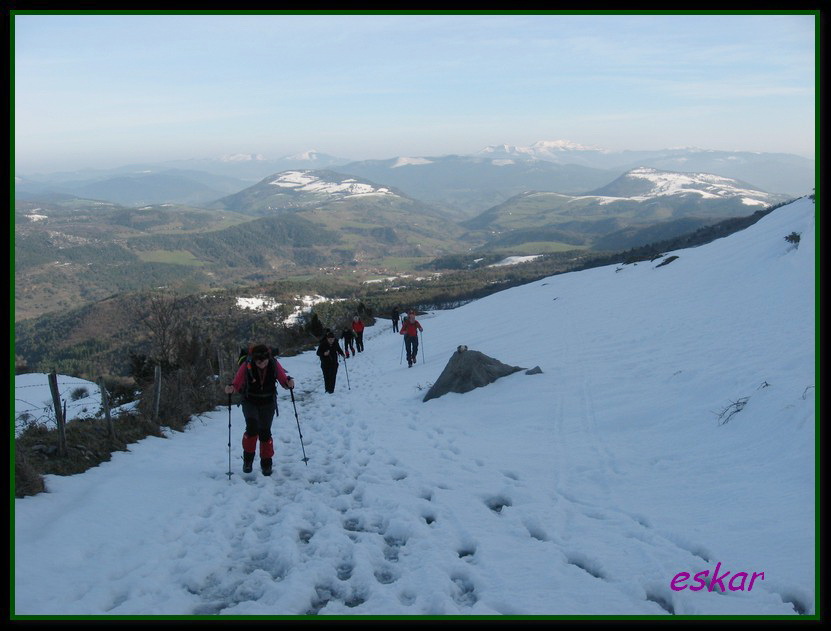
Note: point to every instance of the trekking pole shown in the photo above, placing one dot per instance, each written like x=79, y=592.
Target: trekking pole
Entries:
x=400, y=359
x=347, y=373
x=229, y=438
x=421, y=335
x=305, y=459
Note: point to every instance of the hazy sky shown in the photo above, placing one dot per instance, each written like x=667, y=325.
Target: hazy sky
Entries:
x=108, y=90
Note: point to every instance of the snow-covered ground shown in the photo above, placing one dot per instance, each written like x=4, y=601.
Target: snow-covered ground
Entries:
x=585, y=490
x=265, y=304
x=309, y=182
x=33, y=403
x=514, y=260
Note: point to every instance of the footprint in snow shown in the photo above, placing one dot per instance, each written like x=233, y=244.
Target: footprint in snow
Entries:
x=385, y=575
x=587, y=565
x=345, y=569
x=466, y=551
x=465, y=591
x=497, y=503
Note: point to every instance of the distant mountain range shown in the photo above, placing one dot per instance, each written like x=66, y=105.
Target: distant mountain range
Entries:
x=467, y=185
x=639, y=199
x=301, y=220
x=134, y=186
x=463, y=185
x=773, y=172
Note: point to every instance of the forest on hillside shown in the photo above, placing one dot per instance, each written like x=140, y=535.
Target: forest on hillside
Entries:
x=105, y=337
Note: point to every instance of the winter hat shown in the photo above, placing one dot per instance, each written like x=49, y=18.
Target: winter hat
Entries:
x=260, y=351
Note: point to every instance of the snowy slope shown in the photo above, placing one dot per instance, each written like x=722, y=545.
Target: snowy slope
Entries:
x=311, y=182
x=645, y=184
x=583, y=490
x=33, y=400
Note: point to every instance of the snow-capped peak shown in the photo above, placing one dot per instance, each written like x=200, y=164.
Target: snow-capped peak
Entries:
x=403, y=162
x=311, y=154
x=562, y=145
x=540, y=150
x=311, y=182
x=704, y=184
x=242, y=157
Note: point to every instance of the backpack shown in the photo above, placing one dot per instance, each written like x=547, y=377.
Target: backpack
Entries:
x=245, y=357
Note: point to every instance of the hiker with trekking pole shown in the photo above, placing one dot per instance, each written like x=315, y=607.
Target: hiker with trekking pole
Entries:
x=347, y=336
x=328, y=351
x=410, y=329
x=256, y=380
x=358, y=328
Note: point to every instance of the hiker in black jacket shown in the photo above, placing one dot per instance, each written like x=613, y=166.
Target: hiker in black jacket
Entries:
x=348, y=338
x=395, y=316
x=328, y=351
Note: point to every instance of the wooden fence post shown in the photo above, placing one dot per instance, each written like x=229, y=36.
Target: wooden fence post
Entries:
x=158, y=394
x=56, y=401
x=105, y=403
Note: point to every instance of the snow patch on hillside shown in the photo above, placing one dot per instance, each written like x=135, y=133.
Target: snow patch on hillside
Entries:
x=307, y=182
x=705, y=184
x=406, y=162
x=514, y=260
x=265, y=304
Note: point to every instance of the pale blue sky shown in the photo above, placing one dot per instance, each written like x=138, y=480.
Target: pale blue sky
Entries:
x=107, y=90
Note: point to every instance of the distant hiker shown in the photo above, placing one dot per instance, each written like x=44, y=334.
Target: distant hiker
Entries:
x=256, y=381
x=410, y=329
x=395, y=315
x=348, y=338
x=328, y=351
x=358, y=328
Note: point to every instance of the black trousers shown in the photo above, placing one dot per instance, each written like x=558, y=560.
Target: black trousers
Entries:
x=359, y=340
x=411, y=344
x=330, y=374
x=258, y=419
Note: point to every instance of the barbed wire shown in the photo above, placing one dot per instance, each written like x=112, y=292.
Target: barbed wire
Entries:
x=44, y=413
x=48, y=405
x=88, y=384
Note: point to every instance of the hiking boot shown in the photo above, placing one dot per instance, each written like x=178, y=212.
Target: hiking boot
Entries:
x=266, y=466
x=247, y=462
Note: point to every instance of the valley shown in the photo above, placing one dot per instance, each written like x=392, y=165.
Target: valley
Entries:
x=338, y=235
x=71, y=251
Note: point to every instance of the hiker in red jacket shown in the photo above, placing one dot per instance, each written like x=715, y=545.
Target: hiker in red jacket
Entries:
x=256, y=380
x=410, y=329
x=358, y=327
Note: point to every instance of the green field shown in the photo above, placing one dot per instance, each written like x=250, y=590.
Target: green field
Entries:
x=172, y=257
x=539, y=247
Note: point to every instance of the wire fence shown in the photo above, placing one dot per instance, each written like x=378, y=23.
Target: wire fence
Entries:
x=80, y=400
